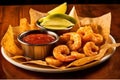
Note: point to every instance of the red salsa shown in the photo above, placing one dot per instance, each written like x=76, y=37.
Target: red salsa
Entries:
x=38, y=38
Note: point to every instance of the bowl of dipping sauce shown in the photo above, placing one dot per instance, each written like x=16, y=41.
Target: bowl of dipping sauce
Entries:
x=37, y=43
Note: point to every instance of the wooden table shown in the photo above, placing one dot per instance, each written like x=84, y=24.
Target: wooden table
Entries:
x=108, y=69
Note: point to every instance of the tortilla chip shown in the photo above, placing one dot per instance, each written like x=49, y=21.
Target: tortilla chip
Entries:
x=24, y=25
x=34, y=16
x=21, y=58
x=38, y=63
x=103, y=21
x=82, y=61
x=73, y=14
x=16, y=32
x=8, y=43
x=104, y=48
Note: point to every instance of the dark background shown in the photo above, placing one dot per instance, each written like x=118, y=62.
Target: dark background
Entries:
x=17, y=2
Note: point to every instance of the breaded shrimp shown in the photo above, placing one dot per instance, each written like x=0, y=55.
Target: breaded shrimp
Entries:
x=62, y=53
x=85, y=32
x=77, y=54
x=64, y=38
x=97, y=38
x=90, y=49
x=75, y=41
x=52, y=61
x=72, y=39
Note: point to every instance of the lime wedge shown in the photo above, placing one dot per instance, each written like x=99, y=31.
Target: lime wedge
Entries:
x=59, y=9
x=57, y=21
x=58, y=15
x=53, y=27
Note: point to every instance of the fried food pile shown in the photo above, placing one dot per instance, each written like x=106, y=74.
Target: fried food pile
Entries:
x=78, y=48
x=86, y=42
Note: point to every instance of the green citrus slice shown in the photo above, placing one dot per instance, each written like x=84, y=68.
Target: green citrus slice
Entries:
x=59, y=9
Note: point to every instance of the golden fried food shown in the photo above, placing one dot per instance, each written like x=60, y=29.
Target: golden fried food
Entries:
x=21, y=58
x=36, y=62
x=88, y=34
x=8, y=43
x=81, y=61
x=90, y=49
x=85, y=60
x=97, y=38
x=72, y=39
x=24, y=25
x=34, y=16
x=77, y=54
x=104, y=23
x=73, y=13
x=62, y=53
x=64, y=38
x=104, y=48
x=85, y=32
x=75, y=41
x=52, y=61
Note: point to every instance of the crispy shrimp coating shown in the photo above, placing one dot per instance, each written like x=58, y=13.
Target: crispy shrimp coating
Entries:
x=52, y=61
x=90, y=49
x=75, y=41
x=97, y=38
x=85, y=32
x=72, y=39
x=62, y=53
x=64, y=38
x=77, y=54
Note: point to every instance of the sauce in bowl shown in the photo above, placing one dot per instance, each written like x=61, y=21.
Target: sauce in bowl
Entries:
x=38, y=38
x=37, y=44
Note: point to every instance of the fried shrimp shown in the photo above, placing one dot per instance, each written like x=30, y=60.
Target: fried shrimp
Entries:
x=62, y=53
x=85, y=32
x=77, y=54
x=64, y=38
x=75, y=41
x=97, y=38
x=52, y=61
x=72, y=39
x=90, y=49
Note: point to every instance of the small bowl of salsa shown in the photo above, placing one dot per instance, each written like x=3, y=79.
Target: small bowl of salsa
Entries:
x=37, y=43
